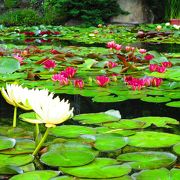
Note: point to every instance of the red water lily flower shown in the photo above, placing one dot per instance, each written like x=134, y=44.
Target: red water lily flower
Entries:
x=148, y=57
x=27, y=33
x=102, y=80
x=167, y=64
x=54, y=51
x=111, y=44
x=156, y=82
x=49, y=64
x=79, y=83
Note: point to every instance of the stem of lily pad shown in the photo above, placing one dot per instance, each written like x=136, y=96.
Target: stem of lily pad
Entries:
x=41, y=142
x=14, y=116
x=37, y=131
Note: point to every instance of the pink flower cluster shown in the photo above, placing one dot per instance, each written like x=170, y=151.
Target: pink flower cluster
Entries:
x=160, y=69
x=64, y=76
x=139, y=83
x=113, y=45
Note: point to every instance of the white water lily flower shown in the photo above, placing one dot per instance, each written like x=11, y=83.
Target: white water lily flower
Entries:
x=16, y=95
x=49, y=110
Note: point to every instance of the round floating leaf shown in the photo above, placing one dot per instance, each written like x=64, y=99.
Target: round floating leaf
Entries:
x=156, y=99
x=44, y=175
x=22, y=146
x=71, y=131
x=161, y=174
x=8, y=161
x=96, y=118
x=155, y=92
x=148, y=160
x=176, y=148
x=6, y=143
x=109, y=98
x=125, y=124
x=173, y=104
x=149, y=139
x=8, y=65
x=158, y=121
x=100, y=168
x=67, y=158
x=109, y=142
x=175, y=174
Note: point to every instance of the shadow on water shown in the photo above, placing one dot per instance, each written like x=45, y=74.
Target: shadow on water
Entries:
x=128, y=109
x=160, y=47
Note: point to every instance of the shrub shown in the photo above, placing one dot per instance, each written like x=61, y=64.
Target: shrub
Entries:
x=20, y=17
x=91, y=12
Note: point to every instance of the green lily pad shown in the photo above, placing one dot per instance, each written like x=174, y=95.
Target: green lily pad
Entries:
x=73, y=131
x=8, y=65
x=173, y=104
x=96, y=118
x=175, y=173
x=44, y=175
x=99, y=168
x=156, y=99
x=149, y=139
x=22, y=146
x=161, y=174
x=109, y=142
x=109, y=98
x=158, y=121
x=125, y=124
x=68, y=154
x=148, y=160
x=176, y=148
x=6, y=143
x=9, y=162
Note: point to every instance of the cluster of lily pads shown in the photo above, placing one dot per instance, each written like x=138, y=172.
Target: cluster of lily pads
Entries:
x=98, y=145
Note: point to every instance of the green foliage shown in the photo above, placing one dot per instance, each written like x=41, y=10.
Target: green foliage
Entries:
x=20, y=17
x=11, y=3
x=91, y=12
x=172, y=9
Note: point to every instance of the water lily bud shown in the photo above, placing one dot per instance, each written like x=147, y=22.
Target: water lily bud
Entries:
x=158, y=28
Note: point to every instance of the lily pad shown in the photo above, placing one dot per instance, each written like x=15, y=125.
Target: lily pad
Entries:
x=158, y=121
x=44, y=175
x=161, y=174
x=148, y=160
x=125, y=124
x=173, y=104
x=73, y=131
x=6, y=143
x=109, y=142
x=150, y=139
x=96, y=118
x=8, y=65
x=176, y=148
x=109, y=98
x=68, y=154
x=100, y=168
x=157, y=99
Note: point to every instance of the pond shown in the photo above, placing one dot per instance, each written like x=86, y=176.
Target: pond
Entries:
x=125, y=99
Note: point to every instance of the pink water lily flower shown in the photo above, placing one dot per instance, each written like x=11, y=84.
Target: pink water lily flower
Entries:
x=118, y=47
x=111, y=64
x=49, y=64
x=79, y=83
x=102, y=80
x=19, y=58
x=156, y=82
x=161, y=69
x=167, y=64
x=111, y=44
x=142, y=51
x=70, y=71
x=153, y=67
x=62, y=79
x=148, y=57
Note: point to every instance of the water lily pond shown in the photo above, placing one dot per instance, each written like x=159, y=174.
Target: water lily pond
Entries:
x=120, y=116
